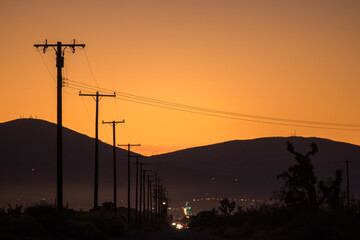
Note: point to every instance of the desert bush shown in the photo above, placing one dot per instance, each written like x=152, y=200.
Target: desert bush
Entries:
x=82, y=230
x=20, y=225
x=106, y=222
x=48, y=216
x=279, y=223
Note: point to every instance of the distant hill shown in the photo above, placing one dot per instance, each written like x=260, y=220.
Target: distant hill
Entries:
x=248, y=168
x=28, y=164
x=241, y=168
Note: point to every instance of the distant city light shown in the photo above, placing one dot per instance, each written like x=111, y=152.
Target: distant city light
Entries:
x=187, y=211
x=179, y=226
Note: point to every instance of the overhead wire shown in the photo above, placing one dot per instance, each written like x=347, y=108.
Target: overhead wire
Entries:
x=47, y=67
x=200, y=110
x=223, y=114
x=92, y=73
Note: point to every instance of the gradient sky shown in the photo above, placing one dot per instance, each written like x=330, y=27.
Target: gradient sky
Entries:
x=283, y=59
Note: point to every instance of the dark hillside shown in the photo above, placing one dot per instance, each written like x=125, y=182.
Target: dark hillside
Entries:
x=241, y=168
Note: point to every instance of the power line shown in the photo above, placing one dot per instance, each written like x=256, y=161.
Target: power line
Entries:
x=92, y=73
x=223, y=114
x=140, y=98
x=210, y=112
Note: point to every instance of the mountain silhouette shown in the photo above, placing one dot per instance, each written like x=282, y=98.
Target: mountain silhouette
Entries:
x=240, y=168
x=28, y=165
x=248, y=168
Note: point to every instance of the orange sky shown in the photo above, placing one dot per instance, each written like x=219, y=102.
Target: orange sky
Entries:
x=284, y=59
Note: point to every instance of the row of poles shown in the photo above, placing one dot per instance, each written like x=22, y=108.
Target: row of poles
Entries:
x=156, y=193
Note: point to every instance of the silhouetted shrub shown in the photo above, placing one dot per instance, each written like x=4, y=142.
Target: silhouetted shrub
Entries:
x=20, y=225
x=106, y=222
x=226, y=207
x=82, y=230
x=48, y=216
x=299, y=190
x=14, y=210
x=280, y=223
x=68, y=223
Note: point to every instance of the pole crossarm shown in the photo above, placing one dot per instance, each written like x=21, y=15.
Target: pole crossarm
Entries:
x=72, y=46
x=113, y=122
x=131, y=145
x=96, y=95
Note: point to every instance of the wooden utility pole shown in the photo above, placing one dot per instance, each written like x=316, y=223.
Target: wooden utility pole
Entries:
x=141, y=187
x=151, y=202
x=60, y=51
x=128, y=145
x=156, y=197
x=97, y=99
x=136, y=186
x=347, y=183
x=142, y=190
x=148, y=215
x=113, y=124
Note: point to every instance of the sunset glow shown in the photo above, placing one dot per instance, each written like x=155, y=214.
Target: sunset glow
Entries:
x=295, y=60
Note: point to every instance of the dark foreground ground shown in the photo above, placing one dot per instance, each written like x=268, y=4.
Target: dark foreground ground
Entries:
x=169, y=235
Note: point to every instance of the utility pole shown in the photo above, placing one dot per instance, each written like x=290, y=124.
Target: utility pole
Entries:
x=156, y=197
x=160, y=201
x=136, y=192
x=151, y=201
x=60, y=51
x=144, y=198
x=113, y=124
x=97, y=99
x=136, y=186
x=141, y=187
x=347, y=183
x=128, y=145
x=142, y=190
x=148, y=198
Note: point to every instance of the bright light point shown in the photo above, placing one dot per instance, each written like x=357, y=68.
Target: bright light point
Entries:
x=173, y=224
x=179, y=226
x=164, y=203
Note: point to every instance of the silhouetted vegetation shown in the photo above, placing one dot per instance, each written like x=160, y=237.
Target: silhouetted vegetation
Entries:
x=280, y=222
x=46, y=221
x=226, y=207
x=299, y=190
x=306, y=209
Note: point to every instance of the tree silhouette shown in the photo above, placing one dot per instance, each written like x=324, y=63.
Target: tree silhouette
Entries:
x=226, y=207
x=299, y=190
